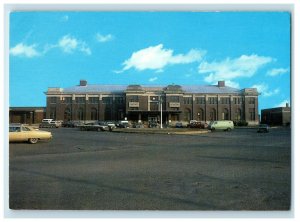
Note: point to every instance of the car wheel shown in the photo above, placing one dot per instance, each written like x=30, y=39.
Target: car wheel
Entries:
x=212, y=129
x=33, y=140
x=229, y=129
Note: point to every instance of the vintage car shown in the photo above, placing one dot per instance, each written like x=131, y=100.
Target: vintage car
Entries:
x=23, y=133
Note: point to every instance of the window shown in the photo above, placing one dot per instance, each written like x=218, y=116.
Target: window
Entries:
x=200, y=115
x=94, y=114
x=213, y=114
x=212, y=100
x=93, y=100
x=225, y=100
x=107, y=100
x=133, y=98
x=225, y=114
x=200, y=100
x=67, y=100
x=80, y=114
x=187, y=115
x=187, y=100
x=52, y=99
x=119, y=100
x=53, y=113
x=174, y=99
x=238, y=114
x=80, y=100
x=251, y=100
x=252, y=114
x=237, y=100
x=67, y=114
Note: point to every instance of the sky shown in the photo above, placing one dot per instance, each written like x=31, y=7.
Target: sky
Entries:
x=58, y=49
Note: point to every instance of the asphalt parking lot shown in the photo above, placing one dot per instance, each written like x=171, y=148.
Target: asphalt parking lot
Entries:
x=83, y=170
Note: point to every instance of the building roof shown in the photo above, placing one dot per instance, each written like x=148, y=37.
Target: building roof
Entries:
x=121, y=88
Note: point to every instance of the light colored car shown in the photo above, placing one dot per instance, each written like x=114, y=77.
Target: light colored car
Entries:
x=22, y=133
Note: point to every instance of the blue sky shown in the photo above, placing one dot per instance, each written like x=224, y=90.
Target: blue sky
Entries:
x=57, y=49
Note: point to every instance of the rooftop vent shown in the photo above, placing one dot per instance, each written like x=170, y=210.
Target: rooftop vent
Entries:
x=221, y=83
x=83, y=82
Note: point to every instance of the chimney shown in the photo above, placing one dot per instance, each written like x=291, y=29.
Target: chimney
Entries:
x=221, y=83
x=83, y=82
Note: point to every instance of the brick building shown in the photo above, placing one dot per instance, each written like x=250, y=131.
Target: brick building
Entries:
x=136, y=102
x=28, y=115
x=280, y=116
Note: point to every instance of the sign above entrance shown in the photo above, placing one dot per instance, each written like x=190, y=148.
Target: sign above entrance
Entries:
x=134, y=104
x=174, y=105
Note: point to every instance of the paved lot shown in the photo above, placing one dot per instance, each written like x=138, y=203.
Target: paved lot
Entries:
x=238, y=170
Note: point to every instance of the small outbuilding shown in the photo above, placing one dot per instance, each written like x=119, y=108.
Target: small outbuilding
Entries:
x=27, y=115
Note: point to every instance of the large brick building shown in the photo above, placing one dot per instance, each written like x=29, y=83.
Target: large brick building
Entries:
x=136, y=102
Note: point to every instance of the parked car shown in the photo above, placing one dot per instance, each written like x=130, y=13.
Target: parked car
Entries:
x=123, y=124
x=51, y=124
x=93, y=127
x=179, y=125
x=137, y=125
x=263, y=128
x=195, y=125
x=22, y=133
x=221, y=125
x=68, y=124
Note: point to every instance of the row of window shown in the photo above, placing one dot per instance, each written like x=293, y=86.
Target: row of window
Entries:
x=186, y=100
x=200, y=114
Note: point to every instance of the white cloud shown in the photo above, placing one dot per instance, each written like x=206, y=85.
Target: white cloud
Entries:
x=156, y=58
x=264, y=90
x=283, y=103
x=69, y=44
x=153, y=79
x=228, y=69
x=276, y=72
x=232, y=84
x=24, y=50
x=104, y=38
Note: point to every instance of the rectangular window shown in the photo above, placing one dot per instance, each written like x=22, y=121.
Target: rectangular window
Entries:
x=187, y=100
x=212, y=100
x=52, y=99
x=93, y=100
x=80, y=100
x=174, y=99
x=200, y=100
x=252, y=114
x=225, y=100
x=133, y=98
x=119, y=100
x=67, y=100
x=251, y=100
x=107, y=100
x=237, y=100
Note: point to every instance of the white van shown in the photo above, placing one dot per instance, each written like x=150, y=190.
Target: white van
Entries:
x=221, y=125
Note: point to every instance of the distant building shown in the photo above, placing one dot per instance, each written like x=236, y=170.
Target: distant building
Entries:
x=279, y=116
x=136, y=102
x=28, y=115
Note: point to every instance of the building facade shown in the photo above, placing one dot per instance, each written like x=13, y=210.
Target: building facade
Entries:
x=279, y=116
x=27, y=115
x=145, y=103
